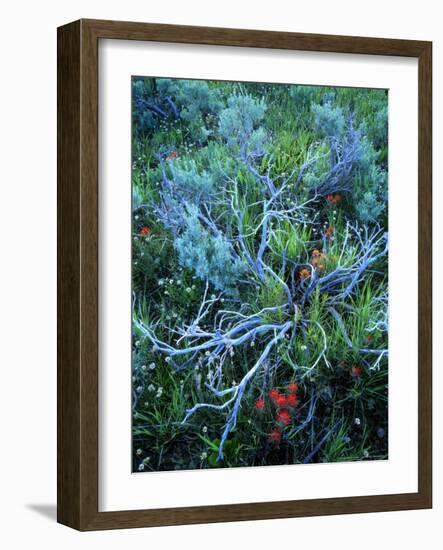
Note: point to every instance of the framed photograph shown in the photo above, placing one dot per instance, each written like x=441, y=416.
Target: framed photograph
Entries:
x=244, y=275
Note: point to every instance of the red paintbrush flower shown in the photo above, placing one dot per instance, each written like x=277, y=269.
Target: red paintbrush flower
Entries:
x=281, y=401
x=293, y=388
x=144, y=231
x=283, y=417
x=260, y=404
x=356, y=371
x=333, y=198
x=292, y=400
x=275, y=435
x=274, y=395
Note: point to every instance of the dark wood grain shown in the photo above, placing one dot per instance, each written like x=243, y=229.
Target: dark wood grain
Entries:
x=254, y=38
x=68, y=275
x=425, y=275
x=78, y=271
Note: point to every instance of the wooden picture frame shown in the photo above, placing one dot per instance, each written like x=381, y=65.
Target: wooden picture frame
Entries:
x=78, y=274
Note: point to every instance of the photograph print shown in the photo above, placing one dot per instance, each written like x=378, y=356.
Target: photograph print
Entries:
x=259, y=274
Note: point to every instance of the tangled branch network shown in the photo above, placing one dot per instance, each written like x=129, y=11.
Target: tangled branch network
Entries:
x=249, y=246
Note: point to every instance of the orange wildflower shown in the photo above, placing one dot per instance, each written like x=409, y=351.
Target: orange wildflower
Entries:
x=329, y=232
x=316, y=258
x=356, y=371
x=145, y=231
x=333, y=198
x=304, y=273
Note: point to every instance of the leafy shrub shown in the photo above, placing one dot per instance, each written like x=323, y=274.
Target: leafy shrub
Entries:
x=329, y=121
x=137, y=198
x=302, y=95
x=189, y=183
x=214, y=160
x=193, y=97
x=195, y=103
x=192, y=101
x=239, y=120
x=143, y=117
x=376, y=127
x=347, y=160
x=316, y=172
x=209, y=256
x=370, y=189
x=333, y=162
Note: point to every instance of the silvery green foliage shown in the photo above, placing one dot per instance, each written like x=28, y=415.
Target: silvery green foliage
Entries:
x=215, y=161
x=196, y=97
x=317, y=171
x=195, y=103
x=347, y=161
x=238, y=122
x=144, y=118
x=329, y=121
x=137, y=198
x=202, y=247
x=192, y=96
x=257, y=142
x=333, y=162
x=368, y=207
x=189, y=183
x=302, y=95
x=336, y=152
x=370, y=190
x=208, y=255
x=376, y=128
